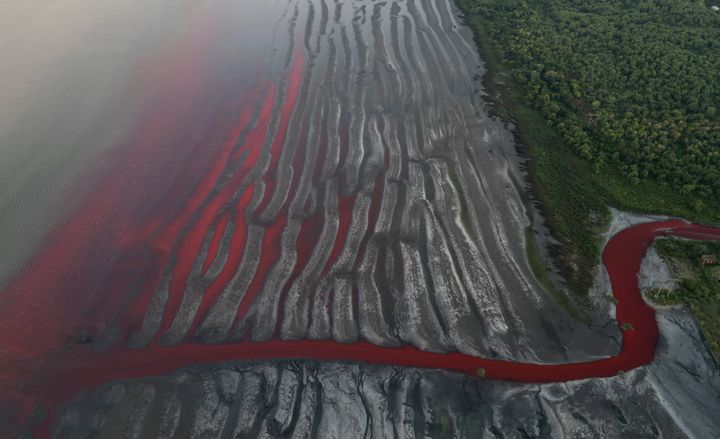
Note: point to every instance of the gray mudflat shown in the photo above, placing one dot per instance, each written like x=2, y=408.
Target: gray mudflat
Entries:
x=389, y=114
x=674, y=397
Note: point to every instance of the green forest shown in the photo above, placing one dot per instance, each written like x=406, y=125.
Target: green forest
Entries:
x=616, y=103
x=634, y=84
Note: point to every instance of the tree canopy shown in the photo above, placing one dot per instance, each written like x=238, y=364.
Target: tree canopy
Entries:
x=632, y=84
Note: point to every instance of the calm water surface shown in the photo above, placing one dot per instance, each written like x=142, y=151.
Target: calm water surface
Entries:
x=82, y=81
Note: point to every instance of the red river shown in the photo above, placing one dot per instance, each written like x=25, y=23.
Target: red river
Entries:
x=81, y=276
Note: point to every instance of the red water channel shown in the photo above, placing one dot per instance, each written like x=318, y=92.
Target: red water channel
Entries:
x=82, y=275
x=622, y=257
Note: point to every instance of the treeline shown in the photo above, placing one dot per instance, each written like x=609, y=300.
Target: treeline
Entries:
x=632, y=84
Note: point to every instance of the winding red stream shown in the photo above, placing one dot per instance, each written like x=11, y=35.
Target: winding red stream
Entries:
x=127, y=250
x=622, y=257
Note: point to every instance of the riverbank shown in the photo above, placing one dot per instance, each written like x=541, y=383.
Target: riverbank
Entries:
x=572, y=198
x=691, y=284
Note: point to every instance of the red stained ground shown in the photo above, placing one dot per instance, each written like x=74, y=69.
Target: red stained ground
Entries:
x=51, y=298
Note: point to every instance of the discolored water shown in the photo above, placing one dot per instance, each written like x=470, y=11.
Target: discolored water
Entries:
x=207, y=180
x=266, y=170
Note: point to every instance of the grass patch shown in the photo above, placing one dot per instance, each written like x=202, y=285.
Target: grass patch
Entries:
x=541, y=272
x=698, y=286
